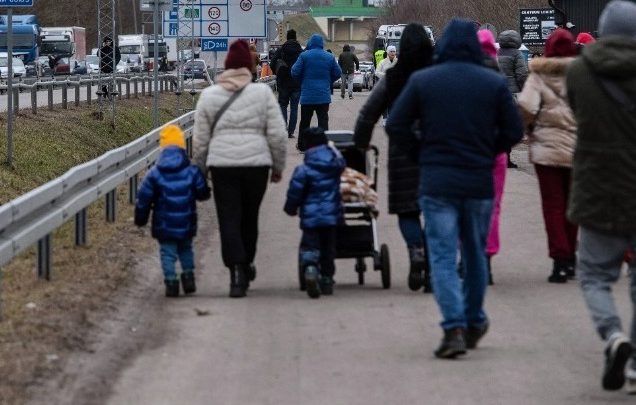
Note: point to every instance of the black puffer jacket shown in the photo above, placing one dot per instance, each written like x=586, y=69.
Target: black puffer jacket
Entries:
x=404, y=173
x=511, y=60
x=348, y=61
x=288, y=53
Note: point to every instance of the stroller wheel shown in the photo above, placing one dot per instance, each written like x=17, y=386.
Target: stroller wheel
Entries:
x=386, y=266
x=361, y=267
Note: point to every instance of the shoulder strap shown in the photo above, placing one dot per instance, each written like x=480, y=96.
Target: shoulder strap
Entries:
x=224, y=107
x=613, y=90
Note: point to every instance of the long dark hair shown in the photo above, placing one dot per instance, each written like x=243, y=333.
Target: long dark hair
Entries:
x=416, y=52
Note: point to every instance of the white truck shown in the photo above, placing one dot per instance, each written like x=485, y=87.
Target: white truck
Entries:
x=134, y=49
x=391, y=34
x=67, y=44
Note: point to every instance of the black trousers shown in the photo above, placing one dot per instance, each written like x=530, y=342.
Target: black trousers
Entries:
x=238, y=193
x=306, y=112
x=318, y=247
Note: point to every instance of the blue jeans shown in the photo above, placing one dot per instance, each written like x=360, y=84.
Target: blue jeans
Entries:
x=599, y=264
x=411, y=229
x=291, y=98
x=169, y=251
x=451, y=223
x=318, y=247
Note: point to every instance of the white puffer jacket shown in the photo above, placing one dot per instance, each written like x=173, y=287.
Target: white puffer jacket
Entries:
x=250, y=133
x=545, y=108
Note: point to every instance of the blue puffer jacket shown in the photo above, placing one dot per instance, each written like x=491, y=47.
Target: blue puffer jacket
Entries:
x=315, y=188
x=315, y=70
x=170, y=190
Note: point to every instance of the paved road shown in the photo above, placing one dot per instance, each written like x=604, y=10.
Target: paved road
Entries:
x=366, y=345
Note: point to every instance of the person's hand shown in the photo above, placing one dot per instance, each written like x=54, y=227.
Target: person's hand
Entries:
x=276, y=177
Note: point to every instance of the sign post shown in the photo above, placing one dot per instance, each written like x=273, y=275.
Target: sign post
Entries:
x=9, y=4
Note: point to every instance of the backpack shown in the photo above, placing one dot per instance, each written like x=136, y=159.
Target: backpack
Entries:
x=280, y=63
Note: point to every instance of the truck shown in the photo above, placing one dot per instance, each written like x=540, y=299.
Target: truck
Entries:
x=67, y=45
x=26, y=32
x=162, y=50
x=134, y=49
x=391, y=34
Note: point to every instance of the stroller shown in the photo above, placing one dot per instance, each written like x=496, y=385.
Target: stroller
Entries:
x=358, y=237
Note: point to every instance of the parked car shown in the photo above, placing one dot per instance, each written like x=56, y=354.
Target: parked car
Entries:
x=80, y=68
x=63, y=67
x=369, y=72
x=195, y=69
x=122, y=67
x=92, y=64
x=358, y=81
x=18, y=66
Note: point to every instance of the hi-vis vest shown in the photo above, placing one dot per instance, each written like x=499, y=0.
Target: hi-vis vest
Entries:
x=379, y=57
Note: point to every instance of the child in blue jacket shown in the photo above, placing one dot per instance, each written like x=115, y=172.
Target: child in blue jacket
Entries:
x=171, y=189
x=315, y=190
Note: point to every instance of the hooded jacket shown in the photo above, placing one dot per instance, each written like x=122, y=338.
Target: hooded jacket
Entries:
x=315, y=70
x=466, y=117
x=170, y=190
x=288, y=53
x=250, y=133
x=348, y=61
x=315, y=188
x=511, y=60
x=546, y=110
x=603, y=195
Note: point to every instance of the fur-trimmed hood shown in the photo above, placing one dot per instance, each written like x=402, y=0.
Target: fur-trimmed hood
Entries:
x=550, y=66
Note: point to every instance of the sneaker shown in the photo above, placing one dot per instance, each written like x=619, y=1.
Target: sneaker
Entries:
x=172, y=288
x=631, y=381
x=291, y=136
x=350, y=96
x=570, y=269
x=474, y=334
x=312, y=281
x=452, y=345
x=617, y=353
x=326, y=286
x=559, y=275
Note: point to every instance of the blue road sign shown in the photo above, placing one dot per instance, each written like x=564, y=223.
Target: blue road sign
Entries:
x=174, y=28
x=16, y=3
x=214, y=44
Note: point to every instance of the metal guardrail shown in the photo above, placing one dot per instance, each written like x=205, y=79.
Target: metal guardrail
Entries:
x=32, y=217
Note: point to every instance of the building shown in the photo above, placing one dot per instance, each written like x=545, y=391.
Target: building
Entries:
x=583, y=14
x=346, y=20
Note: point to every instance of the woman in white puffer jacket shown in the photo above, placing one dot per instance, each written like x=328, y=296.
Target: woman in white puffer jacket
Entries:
x=247, y=142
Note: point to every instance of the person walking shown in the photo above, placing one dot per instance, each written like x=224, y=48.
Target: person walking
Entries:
x=109, y=57
x=348, y=63
x=288, y=88
x=257, y=62
x=315, y=70
x=464, y=124
x=314, y=194
x=239, y=137
x=386, y=64
x=487, y=43
x=404, y=177
x=170, y=190
x=601, y=86
x=552, y=136
x=513, y=65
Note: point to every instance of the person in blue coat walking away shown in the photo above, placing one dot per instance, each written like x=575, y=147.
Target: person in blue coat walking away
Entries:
x=314, y=190
x=171, y=189
x=315, y=70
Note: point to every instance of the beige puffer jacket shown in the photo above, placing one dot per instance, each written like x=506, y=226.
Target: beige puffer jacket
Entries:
x=250, y=133
x=544, y=105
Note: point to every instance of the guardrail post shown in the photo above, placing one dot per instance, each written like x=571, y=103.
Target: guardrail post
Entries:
x=162, y=85
x=111, y=206
x=80, y=228
x=189, y=147
x=50, y=88
x=143, y=86
x=135, y=87
x=89, y=90
x=65, y=96
x=128, y=88
x=150, y=89
x=34, y=99
x=119, y=89
x=77, y=95
x=44, y=257
x=133, y=185
x=16, y=101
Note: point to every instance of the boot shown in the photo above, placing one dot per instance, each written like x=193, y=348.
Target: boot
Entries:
x=312, y=280
x=453, y=344
x=172, y=288
x=559, y=275
x=187, y=281
x=490, y=279
x=326, y=285
x=417, y=264
x=570, y=269
x=251, y=272
x=237, y=281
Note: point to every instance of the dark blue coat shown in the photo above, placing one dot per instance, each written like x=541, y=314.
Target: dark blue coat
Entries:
x=315, y=70
x=315, y=188
x=466, y=117
x=170, y=190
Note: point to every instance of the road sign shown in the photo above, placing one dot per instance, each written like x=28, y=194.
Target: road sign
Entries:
x=214, y=45
x=149, y=5
x=16, y=3
x=218, y=19
x=536, y=25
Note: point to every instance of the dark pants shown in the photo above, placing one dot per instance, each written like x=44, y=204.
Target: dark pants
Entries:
x=318, y=247
x=554, y=183
x=306, y=112
x=289, y=97
x=238, y=192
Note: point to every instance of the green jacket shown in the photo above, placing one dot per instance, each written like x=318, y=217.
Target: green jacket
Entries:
x=603, y=195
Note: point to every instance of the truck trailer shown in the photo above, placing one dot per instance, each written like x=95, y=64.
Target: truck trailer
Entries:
x=26, y=30
x=64, y=44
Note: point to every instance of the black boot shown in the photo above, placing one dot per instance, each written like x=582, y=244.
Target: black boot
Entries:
x=172, y=288
x=417, y=261
x=187, y=281
x=490, y=279
x=559, y=274
x=237, y=281
x=251, y=272
x=453, y=344
x=570, y=269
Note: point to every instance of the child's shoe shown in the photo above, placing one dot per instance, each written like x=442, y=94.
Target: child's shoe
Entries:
x=172, y=288
x=631, y=381
x=187, y=281
x=312, y=281
x=326, y=285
